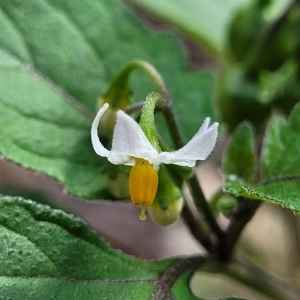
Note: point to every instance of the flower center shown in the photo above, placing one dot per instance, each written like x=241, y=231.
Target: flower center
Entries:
x=143, y=182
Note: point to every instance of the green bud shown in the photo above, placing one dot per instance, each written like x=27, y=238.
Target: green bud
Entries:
x=108, y=120
x=164, y=217
x=168, y=202
x=227, y=205
x=117, y=178
x=118, y=95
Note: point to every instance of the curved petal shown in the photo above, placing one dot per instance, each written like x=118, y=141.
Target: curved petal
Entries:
x=204, y=126
x=198, y=148
x=98, y=147
x=129, y=141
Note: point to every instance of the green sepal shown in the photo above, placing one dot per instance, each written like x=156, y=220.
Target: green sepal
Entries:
x=166, y=189
x=147, y=119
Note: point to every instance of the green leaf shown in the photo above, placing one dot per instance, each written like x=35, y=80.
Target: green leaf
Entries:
x=239, y=158
x=56, y=58
x=205, y=21
x=48, y=254
x=44, y=132
x=81, y=52
x=280, y=183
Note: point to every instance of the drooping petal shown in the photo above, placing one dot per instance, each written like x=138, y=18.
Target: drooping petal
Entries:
x=198, y=148
x=129, y=141
x=97, y=145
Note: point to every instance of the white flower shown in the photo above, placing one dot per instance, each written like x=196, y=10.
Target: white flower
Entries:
x=130, y=142
x=130, y=146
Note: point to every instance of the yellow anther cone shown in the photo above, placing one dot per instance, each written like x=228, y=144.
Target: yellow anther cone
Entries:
x=143, y=182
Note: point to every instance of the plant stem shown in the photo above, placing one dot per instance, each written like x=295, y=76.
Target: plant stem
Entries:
x=152, y=72
x=172, y=125
x=204, y=208
x=248, y=274
x=196, y=230
x=240, y=219
x=163, y=287
x=166, y=104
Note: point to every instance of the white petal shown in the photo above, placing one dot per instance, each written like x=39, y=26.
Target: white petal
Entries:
x=129, y=141
x=204, y=126
x=98, y=147
x=198, y=148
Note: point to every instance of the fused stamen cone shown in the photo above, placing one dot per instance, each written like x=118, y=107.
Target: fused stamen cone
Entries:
x=143, y=182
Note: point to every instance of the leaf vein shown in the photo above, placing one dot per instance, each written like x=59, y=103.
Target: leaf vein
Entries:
x=79, y=30
x=19, y=32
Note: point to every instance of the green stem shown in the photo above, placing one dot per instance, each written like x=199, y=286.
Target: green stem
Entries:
x=243, y=215
x=196, y=230
x=151, y=71
x=166, y=105
x=204, y=208
x=251, y=276
x=172, y=125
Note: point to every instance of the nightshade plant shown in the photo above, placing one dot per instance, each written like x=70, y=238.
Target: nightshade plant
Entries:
x=62, y=61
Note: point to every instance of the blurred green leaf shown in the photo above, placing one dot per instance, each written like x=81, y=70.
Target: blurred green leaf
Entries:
x=239, y=158
x=56, y=58
x=238, y=99
x=280, y=182
x=205, y=21
x=48, y=254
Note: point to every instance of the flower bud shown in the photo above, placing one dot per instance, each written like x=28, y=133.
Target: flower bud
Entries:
x=117, y=181
x=227, y=205
x=118, y=95
x=168, y=202
x=166, y=216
